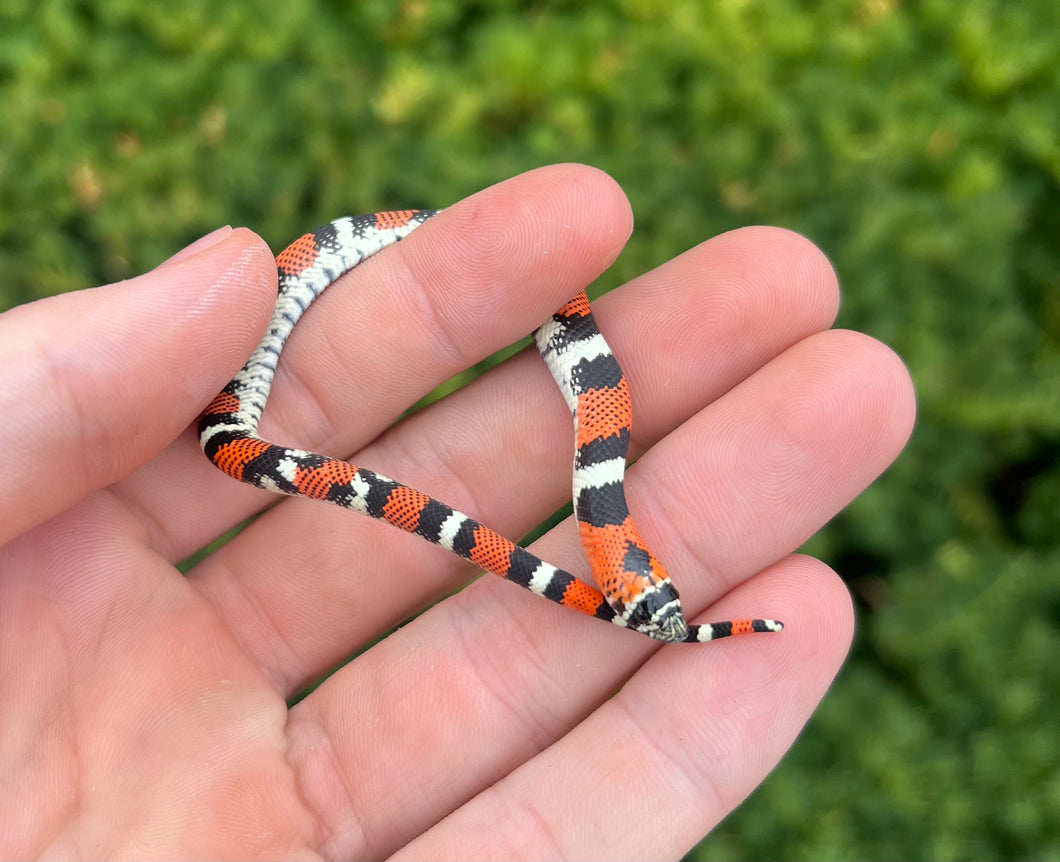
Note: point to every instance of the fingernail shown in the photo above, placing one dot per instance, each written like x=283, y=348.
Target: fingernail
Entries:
x=202, y=243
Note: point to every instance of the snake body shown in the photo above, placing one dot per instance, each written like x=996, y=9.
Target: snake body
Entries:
x=635, y=590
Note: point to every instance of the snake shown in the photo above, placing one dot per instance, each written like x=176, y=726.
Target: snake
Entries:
x=633, y=588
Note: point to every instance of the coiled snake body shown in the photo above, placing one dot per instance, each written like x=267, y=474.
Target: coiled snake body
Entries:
x=634, y=589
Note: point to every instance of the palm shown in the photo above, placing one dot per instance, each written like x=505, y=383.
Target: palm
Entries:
x=147, y=730
x=145, y=713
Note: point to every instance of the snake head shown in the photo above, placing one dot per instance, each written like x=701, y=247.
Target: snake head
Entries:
x=656, y=612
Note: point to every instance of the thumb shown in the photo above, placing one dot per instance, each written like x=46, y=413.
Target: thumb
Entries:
x=95, y=383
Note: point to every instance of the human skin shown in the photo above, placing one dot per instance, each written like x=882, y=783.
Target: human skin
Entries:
x=144, y=712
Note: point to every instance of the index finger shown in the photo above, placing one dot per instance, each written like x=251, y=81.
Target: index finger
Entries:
x=480, y=275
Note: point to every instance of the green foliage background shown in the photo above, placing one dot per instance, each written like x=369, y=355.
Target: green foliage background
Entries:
x=916, y=143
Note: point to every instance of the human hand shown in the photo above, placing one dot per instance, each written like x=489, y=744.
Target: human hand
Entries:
x=144, y=712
